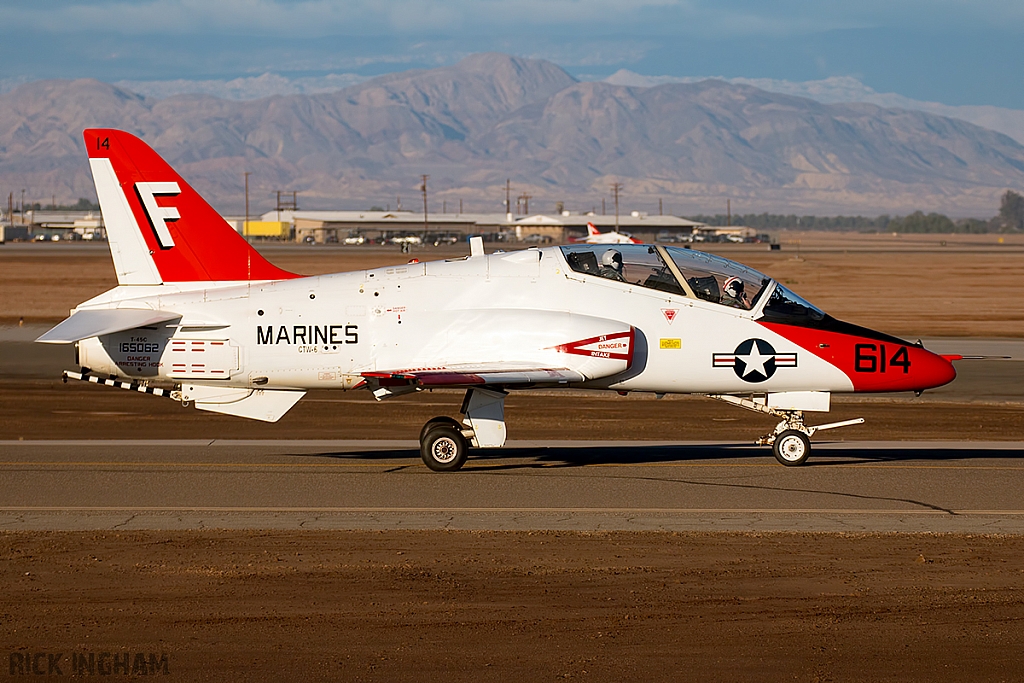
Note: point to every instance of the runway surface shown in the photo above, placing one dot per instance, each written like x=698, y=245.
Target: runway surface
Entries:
x=572, y=485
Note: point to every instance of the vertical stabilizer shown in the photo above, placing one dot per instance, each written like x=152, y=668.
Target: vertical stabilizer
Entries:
x=159, y=228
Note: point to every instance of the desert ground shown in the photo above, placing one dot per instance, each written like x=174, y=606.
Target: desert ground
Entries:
x=530, y=606
x=534, y=605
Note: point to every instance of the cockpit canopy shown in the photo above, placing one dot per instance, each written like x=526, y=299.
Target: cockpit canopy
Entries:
x=686, y=273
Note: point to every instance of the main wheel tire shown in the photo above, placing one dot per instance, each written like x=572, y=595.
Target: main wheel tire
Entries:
x=444, y=448
x=792, y=448
x=436, y=421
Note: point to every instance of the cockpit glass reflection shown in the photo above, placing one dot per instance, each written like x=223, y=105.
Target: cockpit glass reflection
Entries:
x=635, y=264
x=719, y=280
x=786, y=307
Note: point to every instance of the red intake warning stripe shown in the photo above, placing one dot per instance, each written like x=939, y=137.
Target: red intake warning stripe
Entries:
x=617, y=346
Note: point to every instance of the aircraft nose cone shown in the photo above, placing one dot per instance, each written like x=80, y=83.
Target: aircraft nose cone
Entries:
x=930, y=370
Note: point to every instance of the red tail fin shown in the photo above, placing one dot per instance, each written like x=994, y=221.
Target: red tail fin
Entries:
x=592, y=230
x=159, y=228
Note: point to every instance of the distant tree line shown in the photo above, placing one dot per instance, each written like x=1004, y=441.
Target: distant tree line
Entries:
x=767, y=221
x=1010, y=218
x=1011, y=212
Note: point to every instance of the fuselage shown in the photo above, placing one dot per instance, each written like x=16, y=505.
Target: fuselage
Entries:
x=522, y=307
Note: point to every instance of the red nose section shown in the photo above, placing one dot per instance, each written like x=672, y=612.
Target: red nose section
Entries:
x=873, y=363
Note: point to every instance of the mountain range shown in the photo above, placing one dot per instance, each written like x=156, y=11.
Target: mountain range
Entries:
x=492, y=117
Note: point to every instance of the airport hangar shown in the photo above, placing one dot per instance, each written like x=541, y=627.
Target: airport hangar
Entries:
x=334, y=226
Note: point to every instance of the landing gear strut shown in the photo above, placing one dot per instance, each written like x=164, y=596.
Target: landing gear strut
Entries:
x=445, y=443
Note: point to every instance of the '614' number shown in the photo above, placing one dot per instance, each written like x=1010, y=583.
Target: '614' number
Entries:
x=873, y=358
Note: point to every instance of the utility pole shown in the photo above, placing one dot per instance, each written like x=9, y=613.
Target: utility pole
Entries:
x=245, y=226
x=23, y=206
x=728, y=212
x=660, y=213
x=293, y=205
x=525, y=199
x=615, y=191
x=444, y=206
x=603, y=212
x=460, y=206
x=423, y=187
x=508, y=196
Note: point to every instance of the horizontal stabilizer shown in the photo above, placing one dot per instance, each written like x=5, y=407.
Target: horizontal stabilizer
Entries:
x=268, y=405
x=95, y=323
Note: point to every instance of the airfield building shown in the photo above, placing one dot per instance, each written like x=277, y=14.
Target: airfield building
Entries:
x=336, y=226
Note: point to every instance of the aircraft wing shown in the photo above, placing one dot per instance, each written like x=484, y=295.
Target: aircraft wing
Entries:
x=94, y=323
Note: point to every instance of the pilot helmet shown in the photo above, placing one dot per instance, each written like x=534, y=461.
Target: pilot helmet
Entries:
x=733, y=287
x=612, y=259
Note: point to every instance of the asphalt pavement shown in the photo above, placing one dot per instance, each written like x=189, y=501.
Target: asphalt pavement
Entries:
x=585, y=486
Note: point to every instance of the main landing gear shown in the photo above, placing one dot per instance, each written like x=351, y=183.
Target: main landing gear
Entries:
x=443, y=446
x=445, y=443
x=791, y=438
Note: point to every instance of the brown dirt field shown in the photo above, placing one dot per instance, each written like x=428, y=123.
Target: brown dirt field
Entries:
x=465, y=606
x=906, y=285
x=45, y=409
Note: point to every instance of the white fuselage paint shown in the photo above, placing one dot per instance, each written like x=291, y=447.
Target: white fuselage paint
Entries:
x=515, y=308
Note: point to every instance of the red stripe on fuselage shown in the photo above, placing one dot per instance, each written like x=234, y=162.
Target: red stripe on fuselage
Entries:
x=872, y=365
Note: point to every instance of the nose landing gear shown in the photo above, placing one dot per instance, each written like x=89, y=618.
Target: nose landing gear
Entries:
x=791, y=438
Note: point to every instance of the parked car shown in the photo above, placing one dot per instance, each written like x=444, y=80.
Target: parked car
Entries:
x=442, y=238
x=538, y=239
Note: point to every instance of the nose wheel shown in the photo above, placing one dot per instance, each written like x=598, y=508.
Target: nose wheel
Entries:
x=791, y=448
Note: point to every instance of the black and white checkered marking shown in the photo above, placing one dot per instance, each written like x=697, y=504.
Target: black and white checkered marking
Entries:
x=129, y=386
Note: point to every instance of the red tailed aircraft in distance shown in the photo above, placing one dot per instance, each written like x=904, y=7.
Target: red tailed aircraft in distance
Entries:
x=595, y=236
x=200, y=316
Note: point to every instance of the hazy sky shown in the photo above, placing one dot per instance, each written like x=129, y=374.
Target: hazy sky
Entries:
x=949, y=51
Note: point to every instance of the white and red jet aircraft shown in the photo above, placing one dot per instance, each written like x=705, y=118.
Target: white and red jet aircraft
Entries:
x=595, y=236
x=197, y=308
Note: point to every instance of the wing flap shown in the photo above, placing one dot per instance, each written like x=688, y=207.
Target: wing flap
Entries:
x=476, y=376
x=95, y=323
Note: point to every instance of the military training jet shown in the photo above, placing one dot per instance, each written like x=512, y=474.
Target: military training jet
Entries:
x=200, y=316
